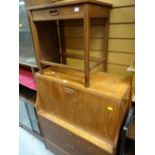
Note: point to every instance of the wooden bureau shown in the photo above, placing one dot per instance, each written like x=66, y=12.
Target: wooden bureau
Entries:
x=94, y=114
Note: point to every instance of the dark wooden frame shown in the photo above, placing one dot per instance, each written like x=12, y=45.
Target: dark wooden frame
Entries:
x=125, y=130
x=33, y=132
x=90, y=10
x=27, y=98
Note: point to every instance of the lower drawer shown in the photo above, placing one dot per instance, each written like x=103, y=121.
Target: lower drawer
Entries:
x=54, y=148
x=67, y=141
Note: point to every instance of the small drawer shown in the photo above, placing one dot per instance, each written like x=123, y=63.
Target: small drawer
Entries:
x=67, y=12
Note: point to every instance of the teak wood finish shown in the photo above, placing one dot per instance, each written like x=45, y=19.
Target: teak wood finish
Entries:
x=45, y=15
x=75, y=120
x=94, y=114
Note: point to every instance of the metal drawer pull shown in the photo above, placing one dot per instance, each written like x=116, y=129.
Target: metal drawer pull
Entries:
x=68, y=90
x=54, y=12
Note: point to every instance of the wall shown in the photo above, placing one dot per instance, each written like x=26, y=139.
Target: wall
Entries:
x=121, y=36
x=121, y=44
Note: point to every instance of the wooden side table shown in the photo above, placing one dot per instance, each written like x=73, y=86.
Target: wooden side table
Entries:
x=47, y=19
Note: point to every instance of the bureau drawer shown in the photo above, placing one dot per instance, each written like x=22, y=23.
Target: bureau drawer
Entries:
x=67, y=12
x=54, y=148
x=68, y=141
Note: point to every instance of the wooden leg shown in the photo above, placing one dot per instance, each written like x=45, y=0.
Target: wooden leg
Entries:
x=86, y=45
x=62, y=43
x=36, y=42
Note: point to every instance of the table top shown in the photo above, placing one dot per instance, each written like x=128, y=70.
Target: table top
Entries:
x=69, y=2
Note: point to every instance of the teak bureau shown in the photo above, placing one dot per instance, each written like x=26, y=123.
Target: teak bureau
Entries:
x=93, y=114
x=80, y=110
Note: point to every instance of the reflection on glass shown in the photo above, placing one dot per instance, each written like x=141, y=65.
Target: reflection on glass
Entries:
x=33, y=118
x=23, y=115
x=26, y=49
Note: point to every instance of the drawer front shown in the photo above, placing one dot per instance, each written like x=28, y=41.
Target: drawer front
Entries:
x=98, y=114
x=67, y=140
x=67, y=12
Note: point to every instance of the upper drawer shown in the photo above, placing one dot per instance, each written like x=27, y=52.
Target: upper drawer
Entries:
x=67, y=12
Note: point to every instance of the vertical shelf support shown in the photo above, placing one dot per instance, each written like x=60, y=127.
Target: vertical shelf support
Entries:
x=61, y=42
x=86, y=45
x=105, y=42
x=36, y=42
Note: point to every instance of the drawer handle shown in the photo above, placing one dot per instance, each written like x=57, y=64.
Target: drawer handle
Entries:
x=54, y=12
x=68, y=90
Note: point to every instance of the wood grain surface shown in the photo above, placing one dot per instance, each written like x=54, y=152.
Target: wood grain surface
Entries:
x=102, y=106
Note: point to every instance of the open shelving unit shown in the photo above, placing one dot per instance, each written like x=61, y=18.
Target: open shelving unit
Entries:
x=27, y=67
x=28, y=118
x=26, y=78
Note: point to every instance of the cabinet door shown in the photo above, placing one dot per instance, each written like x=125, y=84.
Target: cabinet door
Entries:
x=23, y=114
